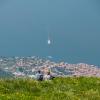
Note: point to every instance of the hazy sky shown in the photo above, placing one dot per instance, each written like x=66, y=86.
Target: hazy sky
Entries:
x=73, y=25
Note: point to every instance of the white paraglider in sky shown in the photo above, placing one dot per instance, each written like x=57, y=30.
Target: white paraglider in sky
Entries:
x=49, y=40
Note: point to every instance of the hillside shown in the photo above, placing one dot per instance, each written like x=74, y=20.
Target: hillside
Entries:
x=29, y=66
x=70, y=88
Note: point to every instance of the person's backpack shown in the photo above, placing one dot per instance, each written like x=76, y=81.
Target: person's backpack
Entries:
x=52, y=77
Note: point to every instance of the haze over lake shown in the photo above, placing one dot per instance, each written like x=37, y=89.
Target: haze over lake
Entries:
x=73, y=26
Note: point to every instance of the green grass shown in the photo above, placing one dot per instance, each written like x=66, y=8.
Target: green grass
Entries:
x=71, y=88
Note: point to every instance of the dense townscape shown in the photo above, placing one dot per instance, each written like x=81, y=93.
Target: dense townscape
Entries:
x=28, y=67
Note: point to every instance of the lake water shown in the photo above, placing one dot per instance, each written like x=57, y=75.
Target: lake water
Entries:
x=73, y=27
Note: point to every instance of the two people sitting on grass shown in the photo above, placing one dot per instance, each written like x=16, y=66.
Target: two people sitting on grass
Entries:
x=47, y=76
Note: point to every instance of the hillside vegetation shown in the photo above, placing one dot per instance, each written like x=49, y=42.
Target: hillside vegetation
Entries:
x=70, y=88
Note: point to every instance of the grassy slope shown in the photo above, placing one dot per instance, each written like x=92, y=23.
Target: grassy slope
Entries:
x=82, y=88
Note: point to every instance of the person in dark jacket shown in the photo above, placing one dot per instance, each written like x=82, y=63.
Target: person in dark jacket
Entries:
x=39, y=76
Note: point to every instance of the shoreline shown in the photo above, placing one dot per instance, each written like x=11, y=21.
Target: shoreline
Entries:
x=28, y=67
